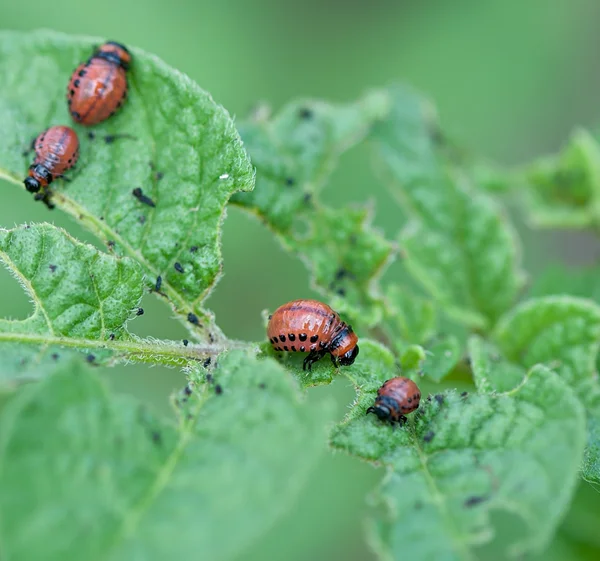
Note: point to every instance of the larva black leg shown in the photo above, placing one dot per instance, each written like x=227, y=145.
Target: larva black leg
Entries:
x=44, y=196
x=312, y=357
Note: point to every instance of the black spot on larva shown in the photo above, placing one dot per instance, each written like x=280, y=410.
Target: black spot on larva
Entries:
x=140, y=312
x=285, y=348
x=72, y=92
x=293, y=348
x=70, y=161
x=271, y=316
x=90, y=358
x=52, y=268
x=187, y=390
x=314, y=338
x=76, y=115
x=218, y=389
x=291, y=336
x=410, y=400
x=428, y=436
x=474, y=500
x=305, y=113
x=439, y=398
x=206, y=363
x=178, y=267
x=282, y=338
x=302, y=349
x=302, y=336
x=193, y=319
x=76, y=83
x=54, y=356
x=194, y=248
x=185, y=342
x=81, y=73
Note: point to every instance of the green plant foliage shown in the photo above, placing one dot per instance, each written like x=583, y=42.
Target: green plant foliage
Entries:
x=82, y=301
x=87, y=474
x=294, y=154
x=113, y=481
x=460, y=458
x=564, y=333
x=491, y=371
x=81, y=297
x=458, y=243
x=412, y=320
x=180, y=147
x=564, y=190
x=560, y=331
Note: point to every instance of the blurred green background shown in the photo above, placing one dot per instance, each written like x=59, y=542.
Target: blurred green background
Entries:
x=510, y=78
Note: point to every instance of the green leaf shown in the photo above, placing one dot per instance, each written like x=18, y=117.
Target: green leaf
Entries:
x=112, y=481
x=443, y=354
x=82, y=300
x=81, y=297
x=491, y=371
x=410, y=318
x=458, y=244
x=564, y=333
x=590, y=469
x=181, y=148
x=294, y=154
x=76, y=290
x=560, y=331
x=412, y=322
x=461, y=459
x=564, y=190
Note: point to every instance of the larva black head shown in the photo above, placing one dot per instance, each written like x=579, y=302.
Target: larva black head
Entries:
x=348, y=358
x=382, y=411
x=114, y=52
x=32, y=185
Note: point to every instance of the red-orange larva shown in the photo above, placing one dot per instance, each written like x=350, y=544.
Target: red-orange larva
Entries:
x=313, y=327
x=98, y=87
x=56, y=151
x=396, y=398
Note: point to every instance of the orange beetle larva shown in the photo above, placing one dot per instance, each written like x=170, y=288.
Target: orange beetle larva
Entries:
x=313, y=327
